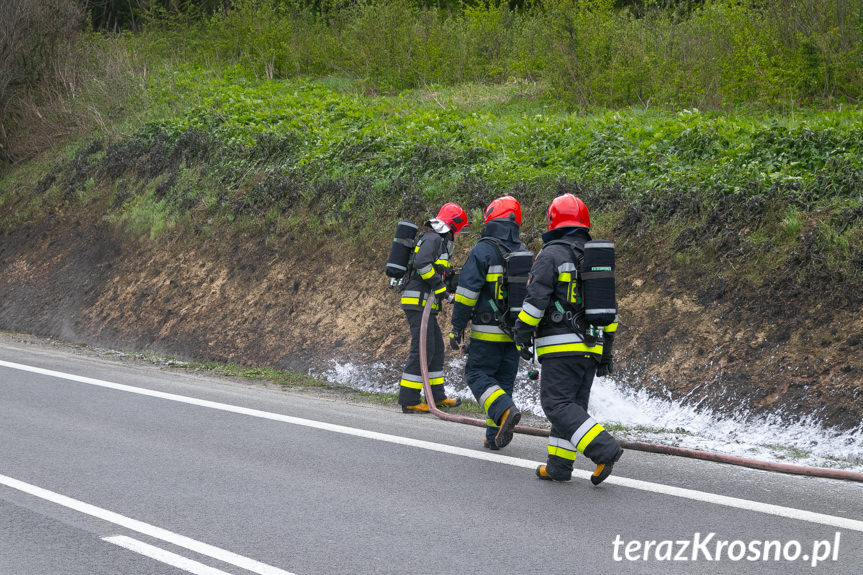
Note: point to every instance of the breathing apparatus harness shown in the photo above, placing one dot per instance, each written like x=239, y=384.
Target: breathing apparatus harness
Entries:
x=595, y=304
x=510, y=288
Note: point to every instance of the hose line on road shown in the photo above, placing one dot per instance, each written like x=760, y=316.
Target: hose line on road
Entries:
x=634, y=445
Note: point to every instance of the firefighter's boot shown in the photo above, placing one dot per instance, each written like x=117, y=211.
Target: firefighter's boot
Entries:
x=542, y=473
x=449, y=402
x=490, y=444
x=416, y=408
x=603, y=470
x=507, y=426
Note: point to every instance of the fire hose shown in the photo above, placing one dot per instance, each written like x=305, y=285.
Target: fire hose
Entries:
x=634, y=445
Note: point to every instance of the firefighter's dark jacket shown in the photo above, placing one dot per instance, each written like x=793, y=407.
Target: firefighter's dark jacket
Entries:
x=430, y=268
x=476, y=282
x=553, y=279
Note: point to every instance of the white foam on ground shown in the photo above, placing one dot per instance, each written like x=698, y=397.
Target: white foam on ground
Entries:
x=633, y=413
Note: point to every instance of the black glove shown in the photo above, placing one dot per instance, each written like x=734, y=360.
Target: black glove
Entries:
x=606, y=364
x=443, y=296
x=523, y=338
x=524, y=346
x=455, y=337
x=451, y=282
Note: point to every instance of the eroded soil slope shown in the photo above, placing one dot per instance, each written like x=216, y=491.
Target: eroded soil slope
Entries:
x=299, y=304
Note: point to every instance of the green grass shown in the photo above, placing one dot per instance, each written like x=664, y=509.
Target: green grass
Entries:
x=788, y=452
x=282, y=378
x=305, y=156
x=329, y=143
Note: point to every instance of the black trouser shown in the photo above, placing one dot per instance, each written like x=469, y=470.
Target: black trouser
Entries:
x=490, y=371
x=564, y=394
x=412, y=383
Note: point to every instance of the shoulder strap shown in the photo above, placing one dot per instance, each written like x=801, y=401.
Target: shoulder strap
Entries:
x=501, y=249
x=577, y=259
x=577, y=252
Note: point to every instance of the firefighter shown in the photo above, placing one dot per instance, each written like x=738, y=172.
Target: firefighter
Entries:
x=492, y=360
x=568, y=350
x=427, y=276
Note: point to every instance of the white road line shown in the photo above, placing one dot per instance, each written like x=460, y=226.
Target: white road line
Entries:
x=734, y=502
x=144, y=528
x=164, y=556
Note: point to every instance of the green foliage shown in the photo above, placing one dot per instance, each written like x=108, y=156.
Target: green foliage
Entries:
x=589, y=54
x=277, y=118
x=250, y=150
x=792, y=223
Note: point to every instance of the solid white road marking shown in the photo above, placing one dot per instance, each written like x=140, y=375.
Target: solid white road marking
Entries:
x=164, y=556
x=144, y=528
x=734, y=502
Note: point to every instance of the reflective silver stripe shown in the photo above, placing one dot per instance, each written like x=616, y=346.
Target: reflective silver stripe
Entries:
x=532, y=310
x=560, y=442
x=495, y=270
x=582, y=431
x=412, y=377
x=598, y=244
x=425, y=269
x=566, y=267
x=599, y=310
x=528, y=253
x=396, y=266
x=486, y=328
x=558, y=339
x=414, y=294
x=434, y=375
x=488, y=393
x=467, y=293
x=444, y=256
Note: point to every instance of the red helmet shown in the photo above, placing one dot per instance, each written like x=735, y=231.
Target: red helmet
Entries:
x=506, y=206
x=453, y=216
x=567, y=210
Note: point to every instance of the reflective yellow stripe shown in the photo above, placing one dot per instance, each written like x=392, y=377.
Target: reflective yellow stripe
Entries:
x=491, y=278
x=579, y=347
x=465, y=300
x=610, y=328
x=528, y=319
x=416, y=301
x=491, y=423
x=411, y=384
x=491, y=399
x=436, y=381
x=442, y=263
x=589, y=436
x=490, y=336
x=428, y=274
x=561, y=452
x=565, y=277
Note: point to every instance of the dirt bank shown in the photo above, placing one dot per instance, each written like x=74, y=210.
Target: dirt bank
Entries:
x=299, y=304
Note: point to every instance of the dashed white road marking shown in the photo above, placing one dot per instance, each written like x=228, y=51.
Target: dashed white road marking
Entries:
x=712, y=498
x=164, y=556
x=144, y=528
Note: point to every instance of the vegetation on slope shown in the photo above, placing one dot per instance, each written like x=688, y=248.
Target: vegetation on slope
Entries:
x=717, y=141
x=729, y=129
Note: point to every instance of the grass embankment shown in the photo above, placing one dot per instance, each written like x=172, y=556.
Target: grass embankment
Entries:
x=307, y=158
x=724, y=139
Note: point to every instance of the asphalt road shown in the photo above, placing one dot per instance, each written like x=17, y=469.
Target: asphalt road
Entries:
x=112, y=466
